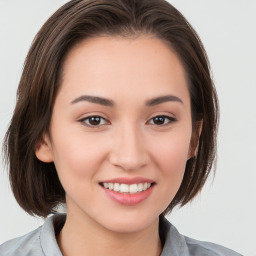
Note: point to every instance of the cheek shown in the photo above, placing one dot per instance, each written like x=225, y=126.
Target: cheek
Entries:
x=171, y=155
x=77, y=158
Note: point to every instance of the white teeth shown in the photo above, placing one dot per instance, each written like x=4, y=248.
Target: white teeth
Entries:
x=133, y=188
x=125, y=188
x=110, y=186
x=140, y=187
x=116, y=187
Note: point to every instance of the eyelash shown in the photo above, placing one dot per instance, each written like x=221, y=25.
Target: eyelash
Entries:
x=164, y=117
x=166, y=120
x=90, y=118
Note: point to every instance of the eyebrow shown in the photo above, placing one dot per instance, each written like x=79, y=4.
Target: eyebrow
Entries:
x=110, y=103
x=94, y=99
x=163, y=99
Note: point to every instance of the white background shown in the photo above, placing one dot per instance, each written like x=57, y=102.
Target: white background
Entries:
x=225, y=212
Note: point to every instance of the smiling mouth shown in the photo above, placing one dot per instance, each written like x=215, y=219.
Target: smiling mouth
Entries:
x=127, y=188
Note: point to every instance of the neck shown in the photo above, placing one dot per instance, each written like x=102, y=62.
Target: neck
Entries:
x=85, y=237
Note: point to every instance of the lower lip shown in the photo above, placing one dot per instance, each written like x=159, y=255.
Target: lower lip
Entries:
x=129, y=199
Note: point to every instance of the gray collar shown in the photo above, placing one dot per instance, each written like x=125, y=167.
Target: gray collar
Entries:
x=174, y=243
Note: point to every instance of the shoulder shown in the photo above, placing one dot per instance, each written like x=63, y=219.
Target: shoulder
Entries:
x=28, y=244
x=197, y=247
x=177, y=244
x=39, y=242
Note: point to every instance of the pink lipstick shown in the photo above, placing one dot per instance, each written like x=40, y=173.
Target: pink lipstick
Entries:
x=128, y=191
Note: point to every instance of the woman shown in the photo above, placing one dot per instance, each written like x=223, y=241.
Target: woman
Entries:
x=117, y=104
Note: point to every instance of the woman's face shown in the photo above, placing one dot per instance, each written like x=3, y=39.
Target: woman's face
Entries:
x=120, y=131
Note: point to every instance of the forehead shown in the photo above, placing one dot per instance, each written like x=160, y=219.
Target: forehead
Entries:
x=105, y=64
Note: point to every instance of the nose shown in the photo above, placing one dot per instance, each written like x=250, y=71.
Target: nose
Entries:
x=129, y=149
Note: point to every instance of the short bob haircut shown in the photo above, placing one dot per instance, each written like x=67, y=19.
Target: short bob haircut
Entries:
x=35, y=184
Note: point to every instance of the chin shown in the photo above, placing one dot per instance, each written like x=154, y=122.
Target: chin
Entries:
x=129, y=224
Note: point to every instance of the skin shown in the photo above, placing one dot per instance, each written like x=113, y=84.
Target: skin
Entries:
x=127, y=142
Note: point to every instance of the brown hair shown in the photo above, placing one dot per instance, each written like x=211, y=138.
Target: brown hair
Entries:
x=35, y=184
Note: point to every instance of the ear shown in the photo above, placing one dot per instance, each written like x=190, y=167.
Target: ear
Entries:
x=43, y=149
x=196, y=133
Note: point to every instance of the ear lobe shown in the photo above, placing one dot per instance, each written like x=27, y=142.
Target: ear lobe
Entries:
x=196, y=133
x=43, y=149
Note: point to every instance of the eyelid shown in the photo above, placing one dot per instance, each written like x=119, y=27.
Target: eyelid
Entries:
x=83, y=119
x=169, y=117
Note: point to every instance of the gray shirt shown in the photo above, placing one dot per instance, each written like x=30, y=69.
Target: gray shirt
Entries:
x=42, y=242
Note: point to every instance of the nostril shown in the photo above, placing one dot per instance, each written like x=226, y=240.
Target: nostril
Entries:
x=128, y=163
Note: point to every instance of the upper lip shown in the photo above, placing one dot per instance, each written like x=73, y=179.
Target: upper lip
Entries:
x=126, y=180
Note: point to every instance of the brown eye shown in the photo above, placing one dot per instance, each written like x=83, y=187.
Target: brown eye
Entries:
x=161, y=120
x=93, y=121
